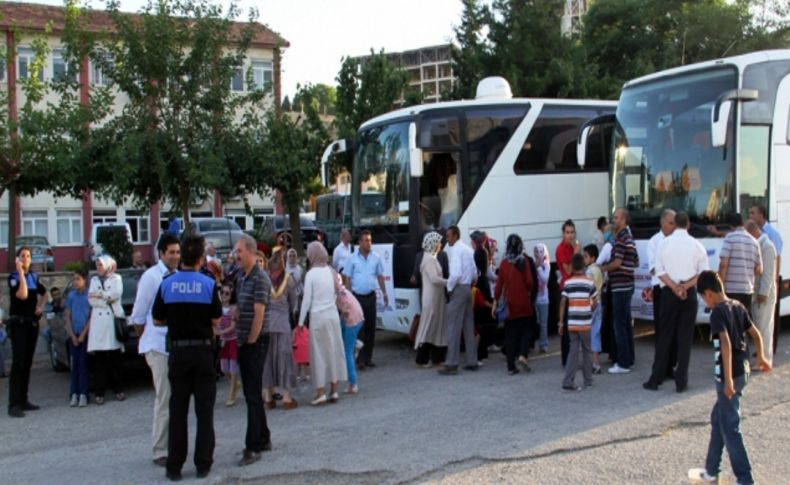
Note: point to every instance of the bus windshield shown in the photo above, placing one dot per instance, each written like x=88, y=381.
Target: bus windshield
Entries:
x=381, y=176
x=663, y=158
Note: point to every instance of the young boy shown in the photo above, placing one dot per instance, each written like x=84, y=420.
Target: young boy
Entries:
x=77, y=315
x=581, y=296
x=595, y=274
x=729, y=324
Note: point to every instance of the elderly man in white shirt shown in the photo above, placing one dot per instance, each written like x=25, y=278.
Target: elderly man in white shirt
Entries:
x=460, y=320
x=153, y=339
x=342, y=251
x=679, y=261
x=764, y=289
x=667, y=228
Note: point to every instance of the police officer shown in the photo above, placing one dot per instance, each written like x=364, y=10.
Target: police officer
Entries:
x=26, y=308
x=188, y=304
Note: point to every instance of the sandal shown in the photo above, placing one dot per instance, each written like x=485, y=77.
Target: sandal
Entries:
x=270, y=404
x=99, y=400
x=319, y=401
x=120, y=396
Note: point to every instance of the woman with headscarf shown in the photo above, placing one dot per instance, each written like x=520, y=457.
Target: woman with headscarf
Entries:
x=278, y=367
x=104, y=297
x=327, y=359
x=431, y=341
x=543, y=267
x=482, y=295
x=514, y=285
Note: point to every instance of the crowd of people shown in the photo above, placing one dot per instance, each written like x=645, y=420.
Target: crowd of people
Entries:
x=262, y=320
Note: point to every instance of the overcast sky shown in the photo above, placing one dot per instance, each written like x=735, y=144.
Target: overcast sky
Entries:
x=323, y=31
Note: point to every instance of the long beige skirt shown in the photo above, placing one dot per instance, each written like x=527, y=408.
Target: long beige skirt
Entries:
x=327, y=358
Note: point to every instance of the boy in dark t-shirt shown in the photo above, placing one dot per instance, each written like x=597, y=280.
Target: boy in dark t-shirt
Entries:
x=729, y=325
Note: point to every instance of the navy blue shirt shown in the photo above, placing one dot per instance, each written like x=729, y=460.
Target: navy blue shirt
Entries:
x=27, y=307
x=731, y=316
x=187, y=302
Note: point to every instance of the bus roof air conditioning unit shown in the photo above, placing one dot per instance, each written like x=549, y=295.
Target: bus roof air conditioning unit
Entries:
x=494, y=87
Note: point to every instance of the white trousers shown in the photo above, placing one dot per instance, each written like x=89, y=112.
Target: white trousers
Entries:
x=157, y=362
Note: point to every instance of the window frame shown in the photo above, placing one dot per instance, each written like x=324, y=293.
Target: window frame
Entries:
x=75, y=216
x=263, y=65
x=67, y=74
x=35, y=217
x=28, y=55
x=136, y=219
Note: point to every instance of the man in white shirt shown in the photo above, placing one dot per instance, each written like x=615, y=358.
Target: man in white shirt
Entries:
x=667, y=228
x=679, y=261
x=153, y=339
x=764, y=289
x=342, y=251
x=463, y=275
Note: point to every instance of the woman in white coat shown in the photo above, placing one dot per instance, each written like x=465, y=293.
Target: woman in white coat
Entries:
x=327, y=356
x=104, y=296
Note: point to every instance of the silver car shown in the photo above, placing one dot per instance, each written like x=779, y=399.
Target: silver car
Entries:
x=41, y=251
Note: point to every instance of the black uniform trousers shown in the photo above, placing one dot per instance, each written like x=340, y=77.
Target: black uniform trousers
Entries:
x=677, y=320
x=191, y=373
x=24, y=334
x=368, y=335
x=672, y=360
x=250, y=360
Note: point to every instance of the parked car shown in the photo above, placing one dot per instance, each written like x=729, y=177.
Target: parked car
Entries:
x=221, y=232
x=40, y=250
x=99, y=229
x=57, y=337
x=279, y=227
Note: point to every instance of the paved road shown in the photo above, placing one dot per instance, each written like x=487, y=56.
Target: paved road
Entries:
x=412, y=425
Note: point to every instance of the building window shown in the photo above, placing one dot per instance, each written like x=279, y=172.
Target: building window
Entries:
x=262, y=75
x=260, y=215
x=429, y=72
x=3, y=228
x=237, y=81
x=238, y=216
x=103, y=216
x=445, y=70
x=34, y=223
x=60, y=68
x=24, y=62
x=139, y=224
x=69, y=226
x=98, y=77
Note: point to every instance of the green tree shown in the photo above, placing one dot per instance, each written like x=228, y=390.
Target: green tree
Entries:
x=286, y=104
x=469, y=54
x=364, y=90
x=177, y=137
x=40, y=140
x=323, y=94
x=286, y=157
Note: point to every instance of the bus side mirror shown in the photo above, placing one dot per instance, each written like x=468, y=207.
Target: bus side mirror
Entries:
x=584, y=133
x=720, y=114
x=333, y=149
x=415, y=154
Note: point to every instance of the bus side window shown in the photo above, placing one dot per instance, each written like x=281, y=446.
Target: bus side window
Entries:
x=551, y=144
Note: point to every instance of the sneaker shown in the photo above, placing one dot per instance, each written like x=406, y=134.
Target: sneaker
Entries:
x=596, y=369
x=616, y=369
x=74, y=401
x=701, y=475
x=83, y=401
x=357, y=347
x=352, y=389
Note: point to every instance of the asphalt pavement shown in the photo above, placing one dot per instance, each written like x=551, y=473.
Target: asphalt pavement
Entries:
x=412, y=425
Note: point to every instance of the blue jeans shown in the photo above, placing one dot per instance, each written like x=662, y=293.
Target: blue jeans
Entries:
x=79, y=368
x=349, y=342
x=725, y=420
x=542, y=310
x=595, y=334
x=623, y=332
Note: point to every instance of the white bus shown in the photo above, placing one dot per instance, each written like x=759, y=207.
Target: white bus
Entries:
x=711, y=139
x=495, y=163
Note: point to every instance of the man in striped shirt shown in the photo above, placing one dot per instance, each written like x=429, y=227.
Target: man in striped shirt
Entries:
x=581, y=297
x=621, y=284
x=739, y=262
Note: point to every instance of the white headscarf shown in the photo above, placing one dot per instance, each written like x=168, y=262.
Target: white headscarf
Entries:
x=429, y=242
x=109, y=265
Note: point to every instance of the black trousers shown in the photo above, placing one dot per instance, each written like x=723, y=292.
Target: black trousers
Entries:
x=677, y=322
x=250, y=360
x=517, y=334
x=565, y=341
x=431, y=353
x=191, y=373
x=107, y=367
x=368, y=333
x=745, y=299
x=24, y=334
x=672, y=359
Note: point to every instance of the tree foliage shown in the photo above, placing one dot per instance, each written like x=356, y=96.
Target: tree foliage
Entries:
x=39, y=146
x=323, y=94
x=621, y=39
x=287, y=158
x=176, y=138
